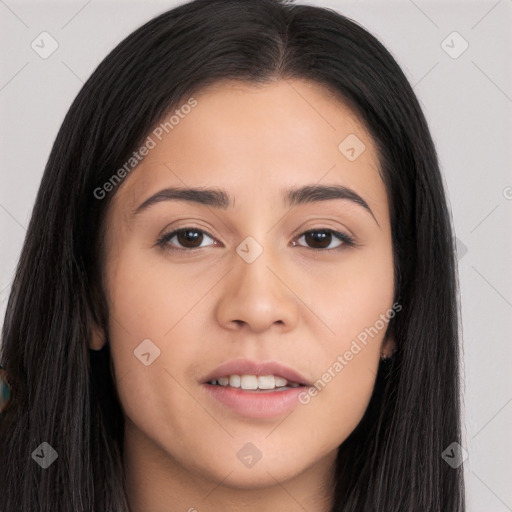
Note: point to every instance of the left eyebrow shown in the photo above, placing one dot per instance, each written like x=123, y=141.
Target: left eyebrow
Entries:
x=313, y=193
x=219, y=198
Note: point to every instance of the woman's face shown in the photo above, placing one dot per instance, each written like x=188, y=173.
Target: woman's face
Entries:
x=258, y=277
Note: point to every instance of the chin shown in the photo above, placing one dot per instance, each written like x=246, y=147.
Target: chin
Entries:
x=257, y=477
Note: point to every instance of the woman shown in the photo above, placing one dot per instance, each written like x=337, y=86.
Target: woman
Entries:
x=238, y=284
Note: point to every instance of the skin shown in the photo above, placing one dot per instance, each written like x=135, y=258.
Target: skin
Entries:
x=294, y=304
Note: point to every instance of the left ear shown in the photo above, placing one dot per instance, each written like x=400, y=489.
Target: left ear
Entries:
x=98, y=338
x=388, y=346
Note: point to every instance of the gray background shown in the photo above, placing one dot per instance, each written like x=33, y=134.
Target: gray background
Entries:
x=468, y=104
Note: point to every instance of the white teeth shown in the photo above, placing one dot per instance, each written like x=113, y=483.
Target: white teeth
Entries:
x=249, y=382
x=266, y=382
x=234, y=381
x=280, y=382
x=252, y=382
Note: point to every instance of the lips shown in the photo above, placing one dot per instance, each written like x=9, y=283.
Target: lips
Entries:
x=248, y=367
x=243, y=387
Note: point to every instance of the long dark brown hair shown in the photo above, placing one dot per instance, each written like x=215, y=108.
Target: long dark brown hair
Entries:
x=65, y=393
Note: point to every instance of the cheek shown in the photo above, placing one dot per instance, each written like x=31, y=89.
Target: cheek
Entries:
x=154, y=319
x=356, y=303
x=336, y=410
x=149, y=298
x=352, y=294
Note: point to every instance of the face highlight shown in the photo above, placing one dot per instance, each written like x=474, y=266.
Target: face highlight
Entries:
x=286, y=257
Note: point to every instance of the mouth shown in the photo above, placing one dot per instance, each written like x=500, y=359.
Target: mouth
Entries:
x=255, y=383
x=255, y=389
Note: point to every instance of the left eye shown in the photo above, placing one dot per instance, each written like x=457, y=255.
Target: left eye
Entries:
x=322, y=238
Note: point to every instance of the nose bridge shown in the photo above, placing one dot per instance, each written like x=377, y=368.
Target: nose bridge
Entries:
x=253, y=294
x=252, y=264
x=252, y=268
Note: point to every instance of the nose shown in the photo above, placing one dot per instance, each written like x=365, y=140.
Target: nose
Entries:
x=258, y=296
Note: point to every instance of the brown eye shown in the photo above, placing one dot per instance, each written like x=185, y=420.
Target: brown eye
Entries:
x=185, y=238
x=189, y=238
x=323, y=238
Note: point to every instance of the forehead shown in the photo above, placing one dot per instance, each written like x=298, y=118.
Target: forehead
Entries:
x=256, y=138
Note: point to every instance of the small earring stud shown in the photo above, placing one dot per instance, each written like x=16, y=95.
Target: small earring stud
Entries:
x=384, y=357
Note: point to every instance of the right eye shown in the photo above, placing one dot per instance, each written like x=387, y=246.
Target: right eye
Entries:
x=189, y=238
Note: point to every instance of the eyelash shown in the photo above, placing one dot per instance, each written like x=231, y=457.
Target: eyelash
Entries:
x=164, y=240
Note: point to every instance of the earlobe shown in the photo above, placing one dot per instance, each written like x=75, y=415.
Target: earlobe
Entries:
x=388, y=347
x=97, y=341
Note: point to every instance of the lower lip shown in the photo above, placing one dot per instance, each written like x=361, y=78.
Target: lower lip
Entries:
x=256, y=404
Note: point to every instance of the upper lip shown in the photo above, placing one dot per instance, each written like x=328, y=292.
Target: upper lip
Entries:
x=258, y=368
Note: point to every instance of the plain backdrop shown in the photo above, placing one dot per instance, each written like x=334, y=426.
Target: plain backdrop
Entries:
x=457, y=56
